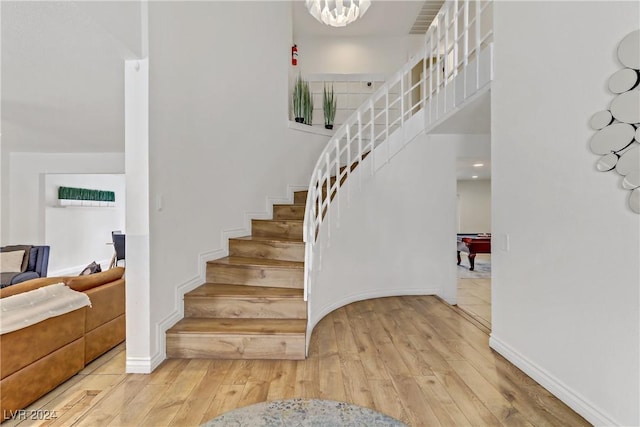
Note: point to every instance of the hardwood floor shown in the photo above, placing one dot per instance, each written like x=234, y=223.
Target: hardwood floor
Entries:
x=474, y=294
x=413, y=358
x=474, y=297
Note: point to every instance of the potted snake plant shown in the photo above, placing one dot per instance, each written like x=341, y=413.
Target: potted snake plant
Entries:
x=298, y=99
x=329, y=104
x=307, y=103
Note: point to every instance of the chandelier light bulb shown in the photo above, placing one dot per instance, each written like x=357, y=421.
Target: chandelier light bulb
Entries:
x=337, y=13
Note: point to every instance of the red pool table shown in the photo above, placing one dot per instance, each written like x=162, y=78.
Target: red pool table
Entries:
x=473, y=244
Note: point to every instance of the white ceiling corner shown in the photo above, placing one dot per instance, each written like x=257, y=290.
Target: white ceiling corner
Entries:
x=62, y=74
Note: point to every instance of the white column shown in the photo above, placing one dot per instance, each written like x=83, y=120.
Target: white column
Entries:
x=137, y=216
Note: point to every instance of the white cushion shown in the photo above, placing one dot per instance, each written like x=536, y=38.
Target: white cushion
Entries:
x=27, y=308
x=11, y=262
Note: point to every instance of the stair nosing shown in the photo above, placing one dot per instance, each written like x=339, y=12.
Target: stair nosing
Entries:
x=244, y=334
x=257, y=263
x=274, y=239
x=301, y=331
x=246, y=297
x=278, y=220
x=258, y=289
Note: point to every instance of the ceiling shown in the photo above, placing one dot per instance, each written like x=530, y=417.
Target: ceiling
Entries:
x=428, y=12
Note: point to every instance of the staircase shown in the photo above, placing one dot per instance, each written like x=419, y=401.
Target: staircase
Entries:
x=252, y=304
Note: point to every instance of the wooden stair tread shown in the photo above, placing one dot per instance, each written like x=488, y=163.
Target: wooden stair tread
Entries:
x=256, y=262
x=294, y=221
x=207, y=326
x=208, y=290
x=271, y=239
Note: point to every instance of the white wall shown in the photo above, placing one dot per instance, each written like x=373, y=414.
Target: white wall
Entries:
x=121, y=20
x=4, y=178
x=474, y=206
x=4, y=193
x=565, y=289
x=79, y=235
x=396, y=236
x=26, y=202
x=219, y=142
x=348, y=55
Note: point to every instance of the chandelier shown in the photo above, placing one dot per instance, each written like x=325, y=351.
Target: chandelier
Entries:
x=337, y=13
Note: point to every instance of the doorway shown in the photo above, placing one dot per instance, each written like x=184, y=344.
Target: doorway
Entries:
x=470, y=128
x=474, y=221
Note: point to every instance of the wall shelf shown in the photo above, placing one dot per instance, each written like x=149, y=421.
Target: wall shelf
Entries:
x=64, y=203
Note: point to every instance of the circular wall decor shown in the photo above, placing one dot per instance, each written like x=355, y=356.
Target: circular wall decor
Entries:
x=626, y=107
x=600, y=120
x=634, y=200
x=623, y=80
x=612, y=138
x=631, y=180
x=607, y=162
x=629, y=50
x=617, y=138
x=629, y=161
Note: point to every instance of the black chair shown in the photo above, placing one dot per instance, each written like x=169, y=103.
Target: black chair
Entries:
x=119, y=248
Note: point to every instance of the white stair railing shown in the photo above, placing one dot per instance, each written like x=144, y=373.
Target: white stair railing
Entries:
x=449, y=69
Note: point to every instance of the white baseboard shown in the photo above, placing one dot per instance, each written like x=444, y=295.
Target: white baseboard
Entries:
x=143, y=365
x=569, y=396
x=178, y=307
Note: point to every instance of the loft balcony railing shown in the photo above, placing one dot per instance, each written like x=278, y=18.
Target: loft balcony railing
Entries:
x=453, y=65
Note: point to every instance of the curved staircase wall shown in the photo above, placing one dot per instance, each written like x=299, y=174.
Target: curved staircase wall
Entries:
x=395, y=236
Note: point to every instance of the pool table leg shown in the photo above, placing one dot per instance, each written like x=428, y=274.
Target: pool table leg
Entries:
x=459, y=260
x=472, y=261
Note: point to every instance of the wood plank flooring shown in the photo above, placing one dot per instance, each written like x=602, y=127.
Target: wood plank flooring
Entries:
x=413, y=358
x=474, y=297
x=474, y=294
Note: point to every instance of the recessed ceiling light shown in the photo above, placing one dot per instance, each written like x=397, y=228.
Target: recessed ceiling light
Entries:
x=478, y=165
x=474, y=176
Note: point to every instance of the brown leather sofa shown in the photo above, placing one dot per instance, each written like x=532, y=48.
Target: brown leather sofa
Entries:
x=36, y=359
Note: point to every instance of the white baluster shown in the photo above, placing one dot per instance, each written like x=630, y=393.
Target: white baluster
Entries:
x=477, y=47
